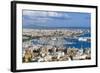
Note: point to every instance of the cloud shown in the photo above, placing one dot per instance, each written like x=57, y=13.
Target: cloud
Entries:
x=55, y=19
x=45, y=14
x=54, y=14
x=30, y=16
x=35, y=13
x=37, y=20
x=44, y=18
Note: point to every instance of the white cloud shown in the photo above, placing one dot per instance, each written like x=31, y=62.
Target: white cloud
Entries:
x=26, y=12
x=54, y=14
x=44, y=13
x=38, y=20
x=34, y=13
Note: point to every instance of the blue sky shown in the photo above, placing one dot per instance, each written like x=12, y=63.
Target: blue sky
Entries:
x=51, y=19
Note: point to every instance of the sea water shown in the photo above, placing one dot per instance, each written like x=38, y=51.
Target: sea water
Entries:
x=67, y=41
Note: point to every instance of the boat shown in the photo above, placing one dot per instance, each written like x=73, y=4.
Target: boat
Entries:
x=82, y=39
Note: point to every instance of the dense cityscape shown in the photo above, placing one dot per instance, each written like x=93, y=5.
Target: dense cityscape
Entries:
x=47, y=45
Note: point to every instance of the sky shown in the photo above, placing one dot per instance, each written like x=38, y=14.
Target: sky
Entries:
x=55, y=19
